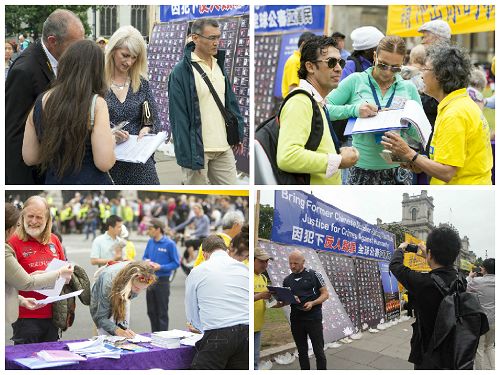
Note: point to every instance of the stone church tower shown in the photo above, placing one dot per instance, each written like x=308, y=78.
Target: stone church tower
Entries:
x=418, y=214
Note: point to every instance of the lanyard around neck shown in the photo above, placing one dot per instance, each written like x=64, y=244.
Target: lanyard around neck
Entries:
x=375, y=96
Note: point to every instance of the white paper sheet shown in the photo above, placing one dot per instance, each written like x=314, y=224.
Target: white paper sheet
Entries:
x=190, y=341
x=54, y=265
x=139, y=151
x=59, y=298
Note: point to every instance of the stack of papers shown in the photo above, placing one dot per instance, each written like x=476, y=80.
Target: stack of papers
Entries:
x=94, y=348
x=136, y=150
x=191, y=341
x=37, y=363
x=169, y=339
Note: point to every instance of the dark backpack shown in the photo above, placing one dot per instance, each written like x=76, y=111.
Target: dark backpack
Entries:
x=460, y=322
x=267, y=135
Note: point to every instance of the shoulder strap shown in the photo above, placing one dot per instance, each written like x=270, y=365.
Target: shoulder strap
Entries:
x=357, y=63
x=92, y=112
x=222, y=109
x=316, y=134
x=438, y=281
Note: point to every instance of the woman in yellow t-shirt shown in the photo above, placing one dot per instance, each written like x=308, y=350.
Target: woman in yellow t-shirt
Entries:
x=460, y=149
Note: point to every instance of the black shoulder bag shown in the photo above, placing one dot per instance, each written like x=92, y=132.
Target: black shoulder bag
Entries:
x=230, y=119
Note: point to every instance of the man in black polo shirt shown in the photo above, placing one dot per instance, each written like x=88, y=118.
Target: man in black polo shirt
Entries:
x=441, y=250
x=306, y=317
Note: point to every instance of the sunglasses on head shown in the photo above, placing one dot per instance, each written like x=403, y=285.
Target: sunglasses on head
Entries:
x=332, y=62
x=392, y=68
x=145, y=279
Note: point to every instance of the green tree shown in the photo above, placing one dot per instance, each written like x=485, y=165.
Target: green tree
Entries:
x=266, y=221
x=398, y=230
x=29, y=19
x=479, y=262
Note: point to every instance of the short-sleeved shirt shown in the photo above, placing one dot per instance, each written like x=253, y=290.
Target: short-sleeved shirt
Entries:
x=306, y=285
x=462, y=139
x=259, y=307
x=34, y=256
x=102, y=247
x=290, y=73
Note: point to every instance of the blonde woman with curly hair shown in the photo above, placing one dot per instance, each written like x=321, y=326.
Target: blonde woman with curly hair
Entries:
x=126, y=71
x=115, y=286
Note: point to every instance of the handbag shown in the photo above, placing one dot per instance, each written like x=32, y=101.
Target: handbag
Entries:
x=147, y=120
x=230, y=119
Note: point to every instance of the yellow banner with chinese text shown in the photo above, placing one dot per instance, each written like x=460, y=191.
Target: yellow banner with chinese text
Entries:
x=412, y=260
x=404, y=20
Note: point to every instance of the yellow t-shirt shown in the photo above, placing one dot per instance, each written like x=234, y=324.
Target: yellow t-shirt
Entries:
x=199, y=257
x=462, y=139
x=290, y=73
x=259, y=307
x=213, y=127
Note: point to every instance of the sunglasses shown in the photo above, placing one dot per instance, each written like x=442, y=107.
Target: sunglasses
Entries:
x=145, y=279
x=392, y=68
x=212, y=38
x=332, y=62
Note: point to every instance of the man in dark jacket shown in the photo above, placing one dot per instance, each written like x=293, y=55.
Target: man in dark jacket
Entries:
x=442, y=248
x=198, y=127
x=28, y=77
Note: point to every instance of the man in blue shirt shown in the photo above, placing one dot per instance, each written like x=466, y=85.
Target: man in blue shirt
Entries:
x=217, y=294
x=162, y=255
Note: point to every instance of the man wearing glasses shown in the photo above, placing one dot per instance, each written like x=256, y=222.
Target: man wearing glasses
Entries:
x=319, y=73
x=198, y=126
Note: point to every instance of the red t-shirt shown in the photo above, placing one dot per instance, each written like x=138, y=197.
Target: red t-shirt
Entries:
x=33, y=256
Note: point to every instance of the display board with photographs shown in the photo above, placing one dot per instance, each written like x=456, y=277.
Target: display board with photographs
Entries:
x=336, y=322
x=267, y=52
x=166, y=48
x=371, y=303
x=342, y=274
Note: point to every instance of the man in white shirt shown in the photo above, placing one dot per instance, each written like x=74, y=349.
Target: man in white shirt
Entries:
x=102, y=248
x=216, y=302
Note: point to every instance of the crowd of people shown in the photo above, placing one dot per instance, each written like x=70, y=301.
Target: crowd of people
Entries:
x=32, y=243
x=455, y=317
x=381, y=74
x=70, y=100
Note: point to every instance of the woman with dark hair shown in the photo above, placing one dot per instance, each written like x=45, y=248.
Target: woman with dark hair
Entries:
x=67, y=132
x=239, y=246
x=363, y=95
x=16, y=278
x=460, y=151
x=9, y=53
x=115, y=286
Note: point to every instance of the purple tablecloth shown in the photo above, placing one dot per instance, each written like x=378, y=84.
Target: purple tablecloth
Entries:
x=167, y=359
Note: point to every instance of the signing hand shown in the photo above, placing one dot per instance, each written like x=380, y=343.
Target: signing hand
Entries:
x=128, y=333
x=120, y=136
x=367, y=110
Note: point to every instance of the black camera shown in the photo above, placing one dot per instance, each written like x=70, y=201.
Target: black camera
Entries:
x=412, y=248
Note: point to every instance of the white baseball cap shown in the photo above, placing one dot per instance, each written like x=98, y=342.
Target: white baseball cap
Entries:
x=365, y=37
x=437, y=27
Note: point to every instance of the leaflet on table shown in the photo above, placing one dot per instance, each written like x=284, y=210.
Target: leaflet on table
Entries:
x=59, y=356
x=283, y=294
x=191, y=341
x=37, y=363
x=59, y=298
x=412, y=114
x=139, y=151
x=54, y=265
x=174, y=334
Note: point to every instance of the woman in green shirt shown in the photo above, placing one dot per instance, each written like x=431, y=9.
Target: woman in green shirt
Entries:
x=363, y=95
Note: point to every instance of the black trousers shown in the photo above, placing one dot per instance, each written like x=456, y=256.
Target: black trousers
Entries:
x=30, y=331
x=157, y=297
x=222, y=349
x=314, y=329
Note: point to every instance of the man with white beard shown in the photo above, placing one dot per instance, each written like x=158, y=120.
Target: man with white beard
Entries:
x=35, y=247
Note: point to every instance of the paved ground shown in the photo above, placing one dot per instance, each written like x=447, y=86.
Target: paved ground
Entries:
x=78, y=251
x=170, y=173
x=385, y=350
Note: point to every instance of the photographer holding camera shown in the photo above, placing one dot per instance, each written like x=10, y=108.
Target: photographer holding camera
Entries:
x=442, y=248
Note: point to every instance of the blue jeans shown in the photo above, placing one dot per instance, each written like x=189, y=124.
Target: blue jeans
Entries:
x=256, y=349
